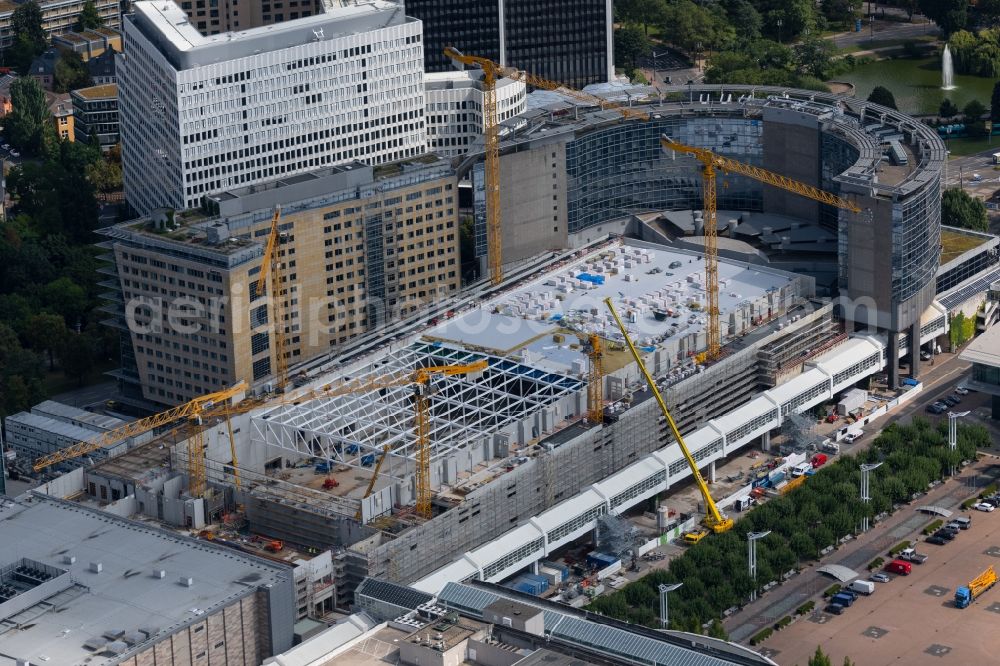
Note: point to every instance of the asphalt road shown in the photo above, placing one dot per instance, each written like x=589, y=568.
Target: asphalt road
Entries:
x=784, y=599
x=884, y=31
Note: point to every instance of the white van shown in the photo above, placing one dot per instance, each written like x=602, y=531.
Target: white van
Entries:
x=864, y=587
x=801, y=469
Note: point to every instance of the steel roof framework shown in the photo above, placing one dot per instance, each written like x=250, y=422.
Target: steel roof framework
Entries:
x=464, y=409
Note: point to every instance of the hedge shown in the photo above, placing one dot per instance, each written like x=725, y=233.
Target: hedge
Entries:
x=832, y=590
x=805, y=608
x=875, y=564
x=899, y=547
x=782, y=623
x=988, y=490
x=967, y=504
x=933, y=527
x=761, y=636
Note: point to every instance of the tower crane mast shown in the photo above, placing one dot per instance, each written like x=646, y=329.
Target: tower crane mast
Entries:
x=711, y=164
x=271, y=266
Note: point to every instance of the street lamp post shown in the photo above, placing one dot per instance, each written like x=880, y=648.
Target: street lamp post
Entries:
x=779, y=30
x=690, y=91
x=871, y=25
x=665, y=590
x=752, y=539
x=866, y=495
x=953, y=418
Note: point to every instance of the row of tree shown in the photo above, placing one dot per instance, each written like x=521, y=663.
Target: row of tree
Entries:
x=802, y=523
x=48, y=264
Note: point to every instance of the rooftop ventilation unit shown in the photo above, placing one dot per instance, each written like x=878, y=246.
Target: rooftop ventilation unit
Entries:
x=187, y=581
x=96, y=567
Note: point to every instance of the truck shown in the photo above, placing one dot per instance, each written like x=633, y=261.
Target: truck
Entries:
x=899, y=567
x=842, y=599
x=911, y=555
x=864, y=587
x=830, y=446
x=965, y=595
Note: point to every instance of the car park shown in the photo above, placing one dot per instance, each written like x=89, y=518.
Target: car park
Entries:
x=984, y=506
x=934, y=539
x=881, y=577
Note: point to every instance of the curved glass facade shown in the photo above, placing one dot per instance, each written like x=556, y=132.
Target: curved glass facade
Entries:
x=621, y=169
x=916, y=241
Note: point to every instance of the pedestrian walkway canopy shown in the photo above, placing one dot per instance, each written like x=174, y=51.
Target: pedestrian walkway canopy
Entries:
x=840, y=572
x=941, y=511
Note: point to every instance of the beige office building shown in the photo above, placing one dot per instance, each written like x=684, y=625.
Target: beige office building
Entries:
x=359, y=246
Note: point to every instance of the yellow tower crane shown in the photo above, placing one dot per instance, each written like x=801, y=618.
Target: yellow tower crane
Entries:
x=271, y=265
x=193, y=410
x=595, y=379
x=420, y=380
x=493, y=71
x=711, y=164
x=714, y=519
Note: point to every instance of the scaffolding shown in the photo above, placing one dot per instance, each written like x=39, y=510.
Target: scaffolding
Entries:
x=465, y=410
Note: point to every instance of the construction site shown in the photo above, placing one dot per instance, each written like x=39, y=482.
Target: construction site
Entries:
x=523, y=428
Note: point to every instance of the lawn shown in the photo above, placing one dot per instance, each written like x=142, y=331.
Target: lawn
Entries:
x=967, y=146
x=921, y=40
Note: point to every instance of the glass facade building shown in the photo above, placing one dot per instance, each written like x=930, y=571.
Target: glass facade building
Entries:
x=562, y=40
x=622, y=169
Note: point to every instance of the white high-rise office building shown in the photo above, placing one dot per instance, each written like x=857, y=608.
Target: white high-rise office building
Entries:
x=202, y=114
x=455, y=108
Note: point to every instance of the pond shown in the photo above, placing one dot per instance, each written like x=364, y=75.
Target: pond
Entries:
x=916, y=84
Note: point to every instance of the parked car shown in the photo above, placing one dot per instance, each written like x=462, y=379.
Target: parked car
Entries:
x=962, y=523
x=984, y=506
x=936, y=408
x=899, y=567
x=834, y=609
x=961, y=390
x=945, y=534
x=952, y=400
x=936, y=540
x=881, y=577
x=864, y=587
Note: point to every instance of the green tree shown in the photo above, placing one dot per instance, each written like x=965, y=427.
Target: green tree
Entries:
x=717, y=630
x=743, y=14
x=819, y=658
x=630, y=45
x=694, y=28
x=947, y=109
x=65, y=298
x=641, y=12
x=840, y=11
x=47, y=334
x=105, y=175
x=950, y=15
x=78, y=357
x=89, y=18
x=813, y=56
x=961, y=210
x=27, y=21
x=30, y=116
x=882, y=95
x=973, y=111
x=71, y=72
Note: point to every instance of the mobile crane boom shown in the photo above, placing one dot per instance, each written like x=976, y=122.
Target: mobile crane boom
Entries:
x=714, y=519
